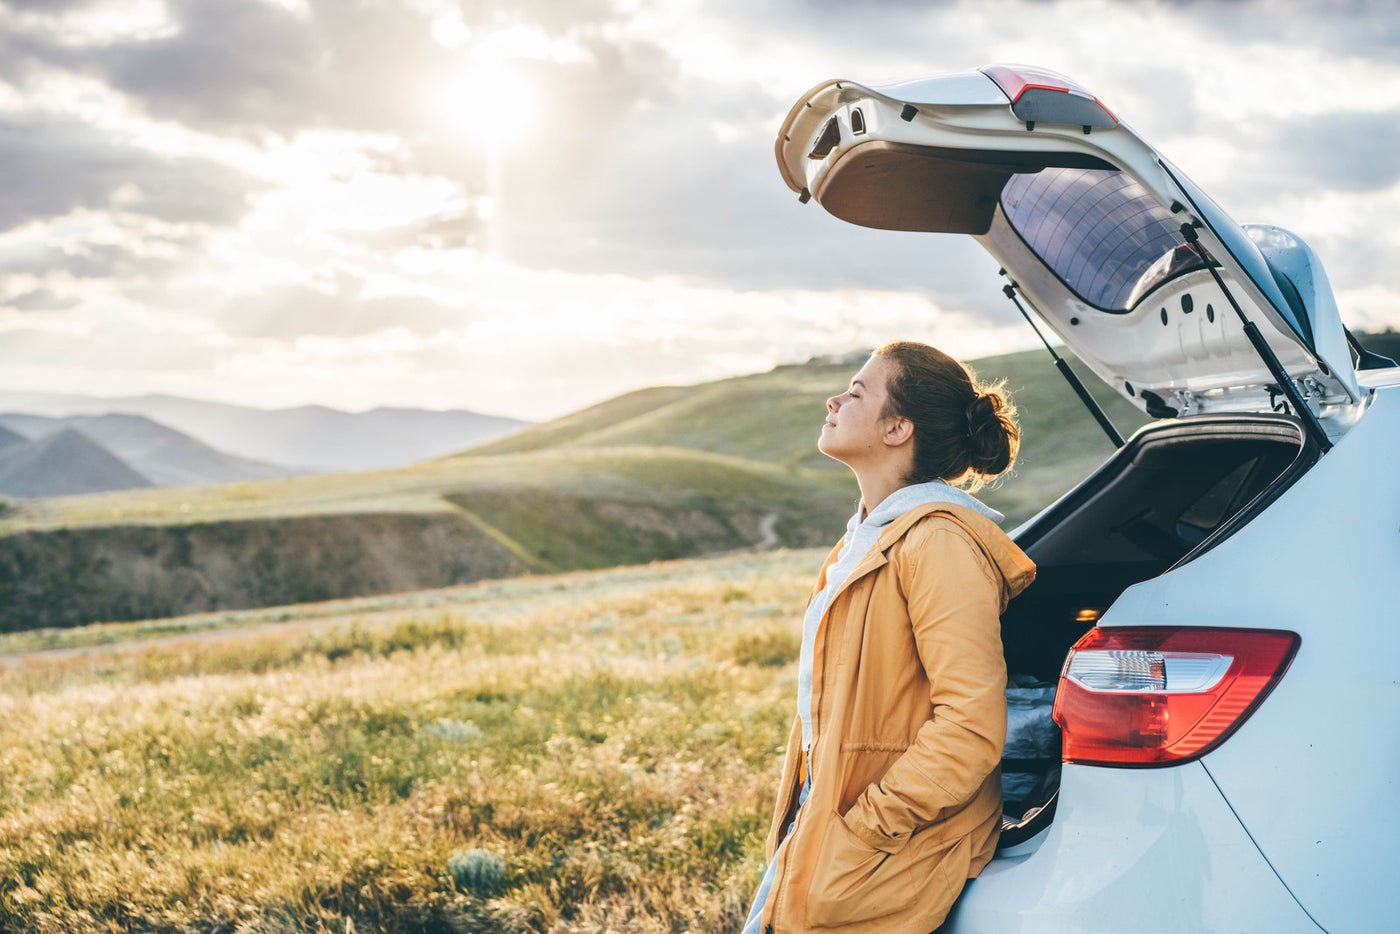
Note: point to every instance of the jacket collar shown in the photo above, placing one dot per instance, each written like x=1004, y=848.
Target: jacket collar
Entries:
x=1013, y=565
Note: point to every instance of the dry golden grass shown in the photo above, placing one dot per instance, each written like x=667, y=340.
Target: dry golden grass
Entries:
x=613, y=737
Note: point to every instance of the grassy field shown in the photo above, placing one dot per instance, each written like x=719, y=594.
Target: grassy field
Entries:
x=585, y=752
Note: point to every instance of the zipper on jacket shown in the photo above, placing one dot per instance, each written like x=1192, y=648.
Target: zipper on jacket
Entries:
x=780, y=880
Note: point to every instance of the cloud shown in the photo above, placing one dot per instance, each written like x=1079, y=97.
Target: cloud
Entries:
x=343, y=311
x=225, y=62
x=1352, y=28
x=1341, y=151
x=41, y=299
x=251, y=68
x=54, y=6
x=450, y=229
x=81, y=260
x=20, y=54
x=245, y=67
x=55, y=165
x=668, y=174
x=88, y=360
x=948, y=31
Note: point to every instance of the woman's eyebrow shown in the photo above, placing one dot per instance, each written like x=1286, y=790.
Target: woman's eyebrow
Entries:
x=856, y=382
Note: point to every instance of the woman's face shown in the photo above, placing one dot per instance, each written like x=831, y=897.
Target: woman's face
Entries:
x=856, y=420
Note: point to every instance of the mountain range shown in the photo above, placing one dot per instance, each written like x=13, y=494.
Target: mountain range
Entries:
x=60, y=463
x=142, y=441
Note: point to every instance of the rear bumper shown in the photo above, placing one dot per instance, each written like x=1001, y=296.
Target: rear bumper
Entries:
x=1133, y=850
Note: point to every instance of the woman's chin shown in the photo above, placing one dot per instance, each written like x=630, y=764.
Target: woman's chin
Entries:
x=829, y=449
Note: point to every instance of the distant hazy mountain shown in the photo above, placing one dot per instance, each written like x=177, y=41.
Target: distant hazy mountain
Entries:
x=312, y=438
x=9, y=439
x=64, y=463
x=163, y=455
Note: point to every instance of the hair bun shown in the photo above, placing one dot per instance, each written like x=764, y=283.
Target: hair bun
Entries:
x=992, y=433
x=981, y=410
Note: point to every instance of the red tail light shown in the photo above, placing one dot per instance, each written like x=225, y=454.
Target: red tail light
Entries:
x=1041, y=95
x=1133, y=696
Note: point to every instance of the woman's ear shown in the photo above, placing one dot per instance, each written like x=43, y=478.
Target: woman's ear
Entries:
x=900, y=430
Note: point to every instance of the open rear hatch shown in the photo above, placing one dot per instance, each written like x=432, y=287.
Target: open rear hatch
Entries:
x=1178, y=308
x=1152, y=285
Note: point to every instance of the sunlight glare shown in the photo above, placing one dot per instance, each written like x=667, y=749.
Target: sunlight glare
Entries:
x=489, y=101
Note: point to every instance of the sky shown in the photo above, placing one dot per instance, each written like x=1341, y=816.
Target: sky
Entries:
x=522, y=207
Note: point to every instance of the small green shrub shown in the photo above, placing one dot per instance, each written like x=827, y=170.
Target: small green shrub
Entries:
x=480, y=872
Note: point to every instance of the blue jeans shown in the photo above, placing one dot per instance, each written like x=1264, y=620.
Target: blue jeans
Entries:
x=755, y=919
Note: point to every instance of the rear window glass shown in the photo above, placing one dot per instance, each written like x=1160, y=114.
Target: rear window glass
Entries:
x=1099, y=231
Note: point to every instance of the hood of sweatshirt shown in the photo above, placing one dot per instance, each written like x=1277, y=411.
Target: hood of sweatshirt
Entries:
x=920, y=494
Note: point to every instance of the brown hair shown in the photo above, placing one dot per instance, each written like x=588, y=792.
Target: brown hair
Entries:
x=964, y=432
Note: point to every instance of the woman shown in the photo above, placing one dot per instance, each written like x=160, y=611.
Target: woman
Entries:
x=890, y=798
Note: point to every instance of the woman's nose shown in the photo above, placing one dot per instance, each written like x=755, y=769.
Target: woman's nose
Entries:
x=832, y=404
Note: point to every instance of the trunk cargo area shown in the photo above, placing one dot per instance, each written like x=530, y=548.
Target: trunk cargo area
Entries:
x=1172, y=492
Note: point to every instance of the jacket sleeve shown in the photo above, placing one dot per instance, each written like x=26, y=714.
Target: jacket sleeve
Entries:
x=955, y=601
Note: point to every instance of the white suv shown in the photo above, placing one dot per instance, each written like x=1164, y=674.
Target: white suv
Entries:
x=1212, y=614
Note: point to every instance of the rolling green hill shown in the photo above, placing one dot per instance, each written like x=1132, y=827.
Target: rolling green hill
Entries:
x=773, y=417
x=661, y=473
x=776, y=417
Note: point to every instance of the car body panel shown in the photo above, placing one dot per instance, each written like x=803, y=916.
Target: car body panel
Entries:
x=936, y=155
x=1125, y=854
x=1311, y=774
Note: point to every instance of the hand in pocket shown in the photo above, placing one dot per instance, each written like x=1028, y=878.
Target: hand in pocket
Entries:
x=854, y=881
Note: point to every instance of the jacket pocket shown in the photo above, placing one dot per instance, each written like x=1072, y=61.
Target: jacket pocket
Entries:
x=853, y=881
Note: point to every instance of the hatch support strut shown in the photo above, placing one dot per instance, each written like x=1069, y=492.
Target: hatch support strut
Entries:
x=1309, y=418
x=1060, y=364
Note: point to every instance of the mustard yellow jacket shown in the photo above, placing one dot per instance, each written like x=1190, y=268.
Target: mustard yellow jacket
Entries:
x=909, y=724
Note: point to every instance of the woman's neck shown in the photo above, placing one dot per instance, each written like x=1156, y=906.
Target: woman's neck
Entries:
x=876, y=485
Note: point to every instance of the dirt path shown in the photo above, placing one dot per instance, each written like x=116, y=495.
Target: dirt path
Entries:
x=768, y=528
